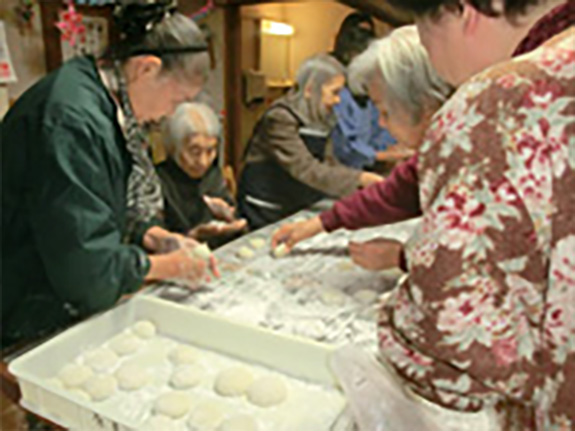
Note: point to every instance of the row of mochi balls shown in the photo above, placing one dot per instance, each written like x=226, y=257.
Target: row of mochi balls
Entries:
x=90, y=381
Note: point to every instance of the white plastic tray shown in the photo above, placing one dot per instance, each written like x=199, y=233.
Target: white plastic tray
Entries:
x=296, y=358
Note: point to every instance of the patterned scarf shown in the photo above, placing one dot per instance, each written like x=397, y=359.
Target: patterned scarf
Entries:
x=144, y=200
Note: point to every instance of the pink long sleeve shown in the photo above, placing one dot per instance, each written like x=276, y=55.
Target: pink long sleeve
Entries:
x=393, y=200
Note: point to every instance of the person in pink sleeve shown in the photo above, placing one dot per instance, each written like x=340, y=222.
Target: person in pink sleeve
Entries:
x=406, y=109
x=397, y=198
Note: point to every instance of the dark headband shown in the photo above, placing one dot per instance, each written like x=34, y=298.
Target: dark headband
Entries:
x=159, y=52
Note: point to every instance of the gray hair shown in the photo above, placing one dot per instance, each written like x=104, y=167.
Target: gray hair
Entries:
x=311, y=76
x=402, y=63
x=189, y=119
x=161, y=34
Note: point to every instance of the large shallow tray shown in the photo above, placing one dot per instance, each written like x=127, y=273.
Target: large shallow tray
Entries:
x=314, y=402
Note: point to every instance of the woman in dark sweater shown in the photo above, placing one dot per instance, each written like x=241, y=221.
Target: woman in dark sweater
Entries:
x=197, y=202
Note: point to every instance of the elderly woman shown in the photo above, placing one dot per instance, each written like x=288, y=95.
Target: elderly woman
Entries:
x=195, y=194
x=288, y=165
x=486, y=316
x=80, y=195
x=406, y=108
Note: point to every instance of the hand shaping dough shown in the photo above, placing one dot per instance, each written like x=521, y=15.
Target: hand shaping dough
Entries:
x=233, y=382
x=101, y=360
x=267, y=391
x=239, y=423
x=145, y=329
x=132, y=377
x=183, y=354
x=74, y=375
x=245, y=253
x=173, y=404
x=206, y=416
x=187, y=376
x=125, y=344
x=100, y=388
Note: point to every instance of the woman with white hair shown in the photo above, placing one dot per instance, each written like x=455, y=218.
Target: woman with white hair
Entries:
x=195, y=193
x=288, y=164
x=396, y=73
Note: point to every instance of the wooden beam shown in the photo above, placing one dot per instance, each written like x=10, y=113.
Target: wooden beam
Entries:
x=233, y=85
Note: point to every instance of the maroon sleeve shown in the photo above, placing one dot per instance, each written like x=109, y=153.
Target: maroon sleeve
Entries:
x=392, y=200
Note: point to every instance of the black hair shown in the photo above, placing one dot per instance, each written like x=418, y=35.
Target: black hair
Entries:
x=353, y=37
x=432, y=8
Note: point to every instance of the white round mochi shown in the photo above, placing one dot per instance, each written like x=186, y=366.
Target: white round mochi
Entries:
x=145, y=329
x=233, y=382
x=132, y=377
x=100, y=388
x=101, y=359
x=173, y=404
x=187, y=376
x=183, y=354
x=74, y=375
x=267, y=391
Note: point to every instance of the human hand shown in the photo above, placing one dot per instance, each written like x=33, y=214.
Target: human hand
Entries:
x=368, y=178
x=376, y=255
x=206, y=231
x=292, y=233
x=220, y=209
x=395, y=153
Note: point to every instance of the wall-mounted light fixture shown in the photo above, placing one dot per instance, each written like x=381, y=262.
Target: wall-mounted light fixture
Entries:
x=276, y=28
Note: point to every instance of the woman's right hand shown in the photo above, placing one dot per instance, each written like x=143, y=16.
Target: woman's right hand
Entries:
x=181, y=265
x=292, y=233
x=368, y=178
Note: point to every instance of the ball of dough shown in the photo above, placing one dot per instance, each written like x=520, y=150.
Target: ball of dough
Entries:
x=202, y=251
x=331, y=296
x=173, y=404
x=183, y=354
x=206, y=416
x=187, y=376
x=74, y=375
x=125, y=344
x=245, y=253
x=280, y=251
x=239, y=423
x=145, y=329
x=159, y=423
x=233, y=382
x=101, y=360
x=132, y=377
x=100, y=388
x=365, y=296
x=258, y=243
x=267, y=391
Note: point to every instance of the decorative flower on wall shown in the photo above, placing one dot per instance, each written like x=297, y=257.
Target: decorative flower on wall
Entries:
x=71, y=25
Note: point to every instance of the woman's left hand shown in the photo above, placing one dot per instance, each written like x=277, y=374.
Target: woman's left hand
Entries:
x=207, y=231
x=376, y=255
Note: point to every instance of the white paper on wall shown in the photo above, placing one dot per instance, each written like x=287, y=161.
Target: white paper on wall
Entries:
x=7, y=73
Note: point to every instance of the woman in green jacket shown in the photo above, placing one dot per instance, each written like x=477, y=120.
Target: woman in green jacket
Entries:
x=80, y=197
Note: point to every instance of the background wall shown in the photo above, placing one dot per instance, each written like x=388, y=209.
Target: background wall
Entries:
x=26, y=48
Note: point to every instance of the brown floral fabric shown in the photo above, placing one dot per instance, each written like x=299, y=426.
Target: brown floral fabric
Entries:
x=487, y=314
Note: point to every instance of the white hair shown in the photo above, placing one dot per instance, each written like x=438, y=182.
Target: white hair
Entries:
x=402, y=63
x=189, y=119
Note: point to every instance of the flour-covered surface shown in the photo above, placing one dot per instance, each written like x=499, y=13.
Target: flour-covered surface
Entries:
x=316, y=291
